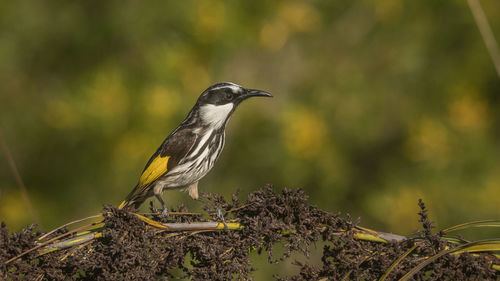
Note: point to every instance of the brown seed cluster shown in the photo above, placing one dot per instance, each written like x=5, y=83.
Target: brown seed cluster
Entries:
x=131, y=250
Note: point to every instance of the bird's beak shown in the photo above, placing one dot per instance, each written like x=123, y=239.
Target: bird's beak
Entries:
x=255, y=93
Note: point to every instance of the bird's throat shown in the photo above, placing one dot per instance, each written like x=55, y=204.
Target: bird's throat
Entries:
x=215, y=115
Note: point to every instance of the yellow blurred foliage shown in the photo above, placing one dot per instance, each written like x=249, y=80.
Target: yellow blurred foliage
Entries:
x=273, y=36
x=398, y=209
x=468, y=113
x=304, y=132
x=61, y=114
x=292, y=17
x=13, y=210
x=299, y=15
x=389, y=11
x=161, y=102
x=428, y=141
x=182, y=61
x=194, y=77
x=209, y=19
x=106, y=97
x=489, y=193
x=163, y=58
x=132, y=147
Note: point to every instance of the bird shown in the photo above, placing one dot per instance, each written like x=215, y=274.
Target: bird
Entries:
x=191, y=150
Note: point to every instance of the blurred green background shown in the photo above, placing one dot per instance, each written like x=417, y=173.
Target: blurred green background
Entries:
x=377, y=103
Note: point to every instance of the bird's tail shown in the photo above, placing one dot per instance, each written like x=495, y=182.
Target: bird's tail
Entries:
x=124, y=205
x=134, y=199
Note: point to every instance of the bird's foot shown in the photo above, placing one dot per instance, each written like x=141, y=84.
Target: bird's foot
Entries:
x=220, y=215
x=164, y=209
x=164, y=212
x=161, y=211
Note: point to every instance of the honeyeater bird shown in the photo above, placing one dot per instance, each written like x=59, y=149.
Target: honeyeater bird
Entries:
x=191, y=150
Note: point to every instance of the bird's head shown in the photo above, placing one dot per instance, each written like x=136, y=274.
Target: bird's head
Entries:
x=218, y=102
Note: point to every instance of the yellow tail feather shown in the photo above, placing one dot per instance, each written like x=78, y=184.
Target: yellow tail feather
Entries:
x=122, y=204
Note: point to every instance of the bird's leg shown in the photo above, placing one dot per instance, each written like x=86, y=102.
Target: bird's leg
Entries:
x=193, y=192
x=157, y=192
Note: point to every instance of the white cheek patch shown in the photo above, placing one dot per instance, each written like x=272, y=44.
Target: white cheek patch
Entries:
x=215, y=115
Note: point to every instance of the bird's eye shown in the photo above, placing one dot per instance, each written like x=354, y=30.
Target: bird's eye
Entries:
x=229, y=96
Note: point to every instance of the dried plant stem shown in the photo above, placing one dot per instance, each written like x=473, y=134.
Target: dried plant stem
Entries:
x=397, y=261
x=83, y=228
x=360, y=233
x=486, y=33
x=66, y=225
x=130, y=248
x=19, y=180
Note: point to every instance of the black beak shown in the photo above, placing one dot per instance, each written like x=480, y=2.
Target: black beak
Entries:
x=256, y=93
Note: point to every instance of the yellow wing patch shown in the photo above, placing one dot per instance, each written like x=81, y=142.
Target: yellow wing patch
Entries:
x=157, y=168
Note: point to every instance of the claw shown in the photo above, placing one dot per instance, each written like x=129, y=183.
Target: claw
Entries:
x=220, y=216
x=164, y=211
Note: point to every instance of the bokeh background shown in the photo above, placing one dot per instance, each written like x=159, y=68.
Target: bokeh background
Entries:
x=377, y=103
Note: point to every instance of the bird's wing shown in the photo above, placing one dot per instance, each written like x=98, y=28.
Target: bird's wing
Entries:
x=174, y=148
x=167, y=156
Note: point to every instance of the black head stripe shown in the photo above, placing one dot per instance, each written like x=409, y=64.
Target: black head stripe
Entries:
x=223, y=85
x=220, y=93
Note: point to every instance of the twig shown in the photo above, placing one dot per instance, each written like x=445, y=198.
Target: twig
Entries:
x=486, y=33
x=19, y=180
x=74, y=241
x=173, y=213
x=398, y=261
x=76, y=249
x=201, y=226
x=85, y=227
x=65, y=225
x=431, y=259
x=383, y=236
x=195, y=228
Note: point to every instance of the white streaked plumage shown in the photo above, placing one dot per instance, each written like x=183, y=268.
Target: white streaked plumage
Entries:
x=202, y=142
x=185, y=173
x=215, y=155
